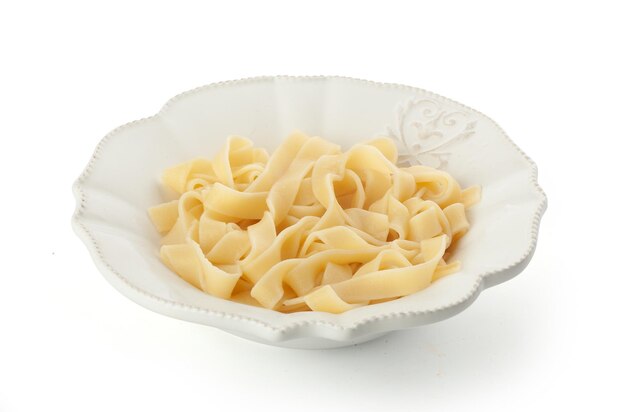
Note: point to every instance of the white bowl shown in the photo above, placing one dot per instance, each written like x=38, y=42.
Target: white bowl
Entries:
x=122, y=180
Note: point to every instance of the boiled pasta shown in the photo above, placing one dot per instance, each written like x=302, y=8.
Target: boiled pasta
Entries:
x=310, y=227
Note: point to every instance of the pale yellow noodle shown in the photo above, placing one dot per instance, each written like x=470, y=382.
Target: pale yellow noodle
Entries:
x=310, y=227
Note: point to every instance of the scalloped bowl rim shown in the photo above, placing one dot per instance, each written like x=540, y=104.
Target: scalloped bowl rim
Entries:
x=363, y=329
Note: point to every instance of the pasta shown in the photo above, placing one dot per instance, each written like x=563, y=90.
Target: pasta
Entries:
x=311, y=227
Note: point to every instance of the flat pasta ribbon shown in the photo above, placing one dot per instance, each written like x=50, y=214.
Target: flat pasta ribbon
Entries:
x=310, y=227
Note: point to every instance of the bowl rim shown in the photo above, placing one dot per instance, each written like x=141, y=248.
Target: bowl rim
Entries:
x=309, y=327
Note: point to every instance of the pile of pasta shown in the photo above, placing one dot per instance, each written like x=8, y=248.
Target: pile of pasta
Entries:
x=311, y=227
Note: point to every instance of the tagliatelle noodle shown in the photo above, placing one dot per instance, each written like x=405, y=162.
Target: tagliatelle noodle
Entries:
x=310, y=227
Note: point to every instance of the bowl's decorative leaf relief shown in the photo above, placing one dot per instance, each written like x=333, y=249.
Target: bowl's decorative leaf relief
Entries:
x=425, y=130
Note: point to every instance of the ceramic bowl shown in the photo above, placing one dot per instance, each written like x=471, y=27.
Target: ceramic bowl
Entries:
x=122, y=180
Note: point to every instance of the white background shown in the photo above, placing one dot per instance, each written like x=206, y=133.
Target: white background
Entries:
x=552, y=75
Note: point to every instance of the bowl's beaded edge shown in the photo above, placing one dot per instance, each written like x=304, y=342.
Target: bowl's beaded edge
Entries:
x=81, y=198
